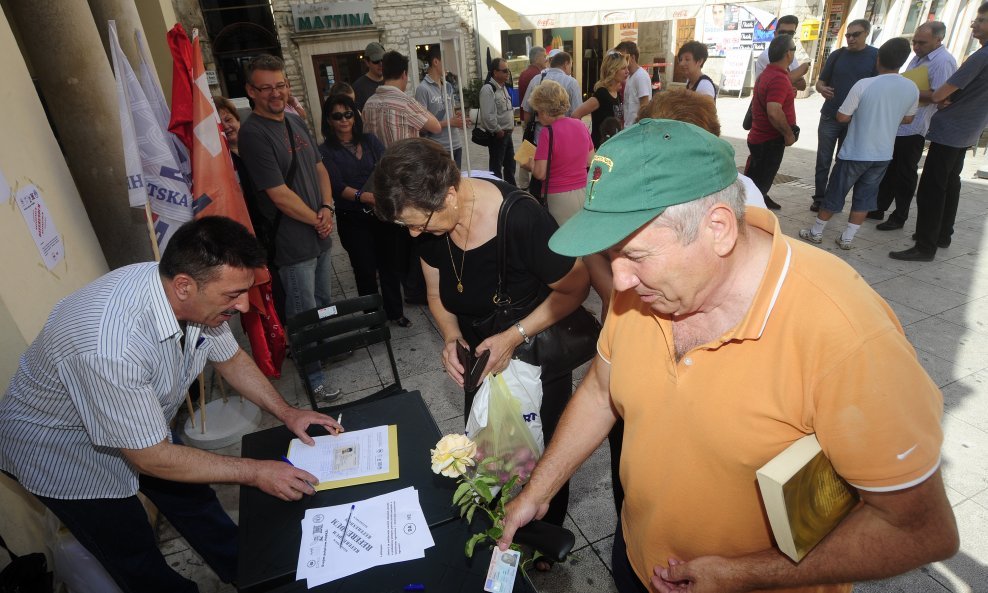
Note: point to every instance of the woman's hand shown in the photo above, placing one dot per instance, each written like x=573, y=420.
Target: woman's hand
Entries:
x=502, y=347
x=451, y=362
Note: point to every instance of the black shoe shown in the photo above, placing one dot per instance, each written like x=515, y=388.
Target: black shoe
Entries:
x=911, y=254
x=771, y=204
x=878, y=215
x=816, y=206
x=941, y=243
x=402, y=322
x=889, y=225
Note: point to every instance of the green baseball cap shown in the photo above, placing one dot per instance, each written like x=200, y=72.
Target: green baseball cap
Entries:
x=637, y=174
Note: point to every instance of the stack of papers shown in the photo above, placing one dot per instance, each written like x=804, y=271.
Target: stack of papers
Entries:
x=349, y=458
x=342, y=540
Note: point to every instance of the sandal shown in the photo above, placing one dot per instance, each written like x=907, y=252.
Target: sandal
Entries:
x=403, y=321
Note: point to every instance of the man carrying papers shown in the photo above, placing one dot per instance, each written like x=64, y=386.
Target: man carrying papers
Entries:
x=84, y=424
x=725, y=342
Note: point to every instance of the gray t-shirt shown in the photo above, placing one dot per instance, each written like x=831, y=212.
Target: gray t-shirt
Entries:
x=266, y=151
x=430, y=95
x=960, y=124
x=364, y=88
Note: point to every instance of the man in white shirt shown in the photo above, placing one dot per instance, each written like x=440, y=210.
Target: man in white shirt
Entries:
x=899, y=183
x=787, y=25
x=638, y=87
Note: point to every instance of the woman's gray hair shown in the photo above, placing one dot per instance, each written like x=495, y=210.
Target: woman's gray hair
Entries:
x=685, y=219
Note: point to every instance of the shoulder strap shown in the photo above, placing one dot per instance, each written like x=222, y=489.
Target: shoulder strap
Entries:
x=501, y=296
x=548, y=168
x=290, y=177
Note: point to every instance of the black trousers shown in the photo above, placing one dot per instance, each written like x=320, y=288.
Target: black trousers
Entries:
x=556, y=392
x=938, y=195
x=901, y=177
x=625, y=578
x=117, y=533
x=764, y=162
x=501, y=155
x=410, y=268
x=372, y=246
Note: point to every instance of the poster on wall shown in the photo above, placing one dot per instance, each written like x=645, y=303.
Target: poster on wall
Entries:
x=40, y=224
x=728, y=27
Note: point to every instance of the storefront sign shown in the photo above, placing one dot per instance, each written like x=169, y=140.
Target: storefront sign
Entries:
x=332, y=16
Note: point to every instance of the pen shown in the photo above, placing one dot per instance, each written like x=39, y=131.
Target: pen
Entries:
x=414, y=587
x=339, y=420
x=347, y=524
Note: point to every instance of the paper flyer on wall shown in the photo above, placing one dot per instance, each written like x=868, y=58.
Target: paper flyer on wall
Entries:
x=40, y=225
x=342, y=540
x=4, y=189
x=349, y=458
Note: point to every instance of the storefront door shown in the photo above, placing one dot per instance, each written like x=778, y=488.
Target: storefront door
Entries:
x=339, y=67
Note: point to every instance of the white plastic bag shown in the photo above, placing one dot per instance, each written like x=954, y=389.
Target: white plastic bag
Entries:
x=74, y=566
x=525, y=382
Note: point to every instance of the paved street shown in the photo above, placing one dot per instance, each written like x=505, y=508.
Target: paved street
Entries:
x=943, y=306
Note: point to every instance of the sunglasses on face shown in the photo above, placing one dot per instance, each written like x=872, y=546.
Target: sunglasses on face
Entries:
x=338, y=115
x=376, y=62
x=505, y=71
x=854, y=35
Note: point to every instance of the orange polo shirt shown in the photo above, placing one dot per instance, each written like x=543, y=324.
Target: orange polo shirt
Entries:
x=818, y=351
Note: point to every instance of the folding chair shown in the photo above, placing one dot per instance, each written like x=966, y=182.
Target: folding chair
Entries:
x=324, y=332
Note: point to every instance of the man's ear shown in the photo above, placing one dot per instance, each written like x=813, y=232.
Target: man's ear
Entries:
x=722, y=225
x=184, y=286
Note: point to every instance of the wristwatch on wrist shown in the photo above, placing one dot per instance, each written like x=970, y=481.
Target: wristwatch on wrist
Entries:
x=331, y=209
x=357, y=194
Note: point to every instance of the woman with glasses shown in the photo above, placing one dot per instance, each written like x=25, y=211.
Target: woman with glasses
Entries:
x=350, y=156
x=606, y=100
x=497, y=116
x=455, y=222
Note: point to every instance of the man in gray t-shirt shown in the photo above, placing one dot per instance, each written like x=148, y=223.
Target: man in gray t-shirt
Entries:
x=284, y=164
x=955, y=127
x=440, y=104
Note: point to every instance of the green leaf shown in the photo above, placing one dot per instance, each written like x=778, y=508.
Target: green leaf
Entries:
x=484, y=491
x=473, y=541
x=495, y=533
x=461, y=490
x=470, y=514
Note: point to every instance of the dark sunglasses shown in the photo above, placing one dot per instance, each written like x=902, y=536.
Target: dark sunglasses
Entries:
x=854, y=35
x=338, y=115
x=505, y=71
x=376, y=62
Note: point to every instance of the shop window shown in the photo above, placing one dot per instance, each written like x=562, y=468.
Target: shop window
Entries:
x=238, y=30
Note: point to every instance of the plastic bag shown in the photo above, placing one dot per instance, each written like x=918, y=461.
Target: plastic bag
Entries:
x=74, y=565
x=523, y=383
x=506, y=442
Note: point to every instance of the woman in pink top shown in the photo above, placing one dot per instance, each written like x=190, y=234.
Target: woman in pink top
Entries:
x=563, y=154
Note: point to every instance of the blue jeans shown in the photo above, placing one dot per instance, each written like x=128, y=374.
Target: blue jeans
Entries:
x=308, y=284
x=864, y=176
x=829, y=135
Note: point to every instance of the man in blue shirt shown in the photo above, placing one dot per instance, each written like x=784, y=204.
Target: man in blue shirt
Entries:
x=899, y=183
x=844, y=67
x=879, y=105
x=955, y=127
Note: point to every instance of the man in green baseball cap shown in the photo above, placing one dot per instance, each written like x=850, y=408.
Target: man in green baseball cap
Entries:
x=725, y=342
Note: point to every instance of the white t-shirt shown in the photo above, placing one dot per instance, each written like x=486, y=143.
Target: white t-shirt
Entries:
x=705, y=87
x=638, y=85
x=762, y=62
x=752, y=195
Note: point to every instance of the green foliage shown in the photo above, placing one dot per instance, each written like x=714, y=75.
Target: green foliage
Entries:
x=471, y=93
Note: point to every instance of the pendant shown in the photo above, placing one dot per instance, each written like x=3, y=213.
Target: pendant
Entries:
x=459, y=287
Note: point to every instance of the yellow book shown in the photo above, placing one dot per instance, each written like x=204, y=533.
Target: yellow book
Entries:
x=525, y=151
x=804, y=497
x=920, y=76
x=349, y=458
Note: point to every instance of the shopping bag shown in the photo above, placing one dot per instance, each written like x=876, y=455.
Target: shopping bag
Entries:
x=506, y=445
x=523, y=383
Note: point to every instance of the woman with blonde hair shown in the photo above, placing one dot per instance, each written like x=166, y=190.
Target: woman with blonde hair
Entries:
x=606, y=100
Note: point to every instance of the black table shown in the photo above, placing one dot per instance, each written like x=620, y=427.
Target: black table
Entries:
x=270, y=529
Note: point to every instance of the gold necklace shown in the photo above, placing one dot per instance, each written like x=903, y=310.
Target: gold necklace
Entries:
x=466, y=242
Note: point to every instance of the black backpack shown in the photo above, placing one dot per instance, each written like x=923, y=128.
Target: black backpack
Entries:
x=25, y=574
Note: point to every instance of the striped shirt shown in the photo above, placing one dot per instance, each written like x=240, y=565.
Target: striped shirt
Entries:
x=107, y=372
x=391, y=115
x=941, y=66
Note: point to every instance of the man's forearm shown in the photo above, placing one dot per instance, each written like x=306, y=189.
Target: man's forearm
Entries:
x=179, y=463
x=243, y=375
x=290, y=204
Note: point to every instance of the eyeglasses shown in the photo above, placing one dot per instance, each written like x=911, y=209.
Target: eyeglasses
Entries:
x=376, y=62
x=785, y=31
x=338, y=115
x=854, y=35
x=267, y=89
x=419, y=228
x=504, y=71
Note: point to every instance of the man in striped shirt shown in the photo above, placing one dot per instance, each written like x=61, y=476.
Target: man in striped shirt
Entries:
x=85, y=421
x=390, y=114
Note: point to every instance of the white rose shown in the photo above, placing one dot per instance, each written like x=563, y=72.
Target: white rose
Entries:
x=454, y=453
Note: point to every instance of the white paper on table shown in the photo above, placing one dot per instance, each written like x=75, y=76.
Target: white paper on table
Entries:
x=4, y=189
x=383, y=530
x=40, y=225
x=344, y=456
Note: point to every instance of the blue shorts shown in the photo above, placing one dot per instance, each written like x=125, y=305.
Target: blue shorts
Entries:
x=864, y=176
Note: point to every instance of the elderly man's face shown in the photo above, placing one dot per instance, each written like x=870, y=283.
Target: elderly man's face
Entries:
x=671, y=278
x=924, y=42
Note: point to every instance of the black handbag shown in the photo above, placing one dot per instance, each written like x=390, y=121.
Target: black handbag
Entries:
x=559, y=348
x=25, y=574
x=480, y=136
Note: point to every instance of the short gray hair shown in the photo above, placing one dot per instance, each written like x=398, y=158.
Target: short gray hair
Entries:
x=685, y=219
x=535, y=53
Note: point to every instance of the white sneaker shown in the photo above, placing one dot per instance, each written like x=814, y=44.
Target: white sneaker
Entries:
x=326, y=394
x=845, y=245
x=807, y=235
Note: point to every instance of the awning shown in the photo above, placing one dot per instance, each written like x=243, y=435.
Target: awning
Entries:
x=576, y=13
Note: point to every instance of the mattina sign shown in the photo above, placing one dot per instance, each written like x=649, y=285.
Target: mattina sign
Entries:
x=332, y=16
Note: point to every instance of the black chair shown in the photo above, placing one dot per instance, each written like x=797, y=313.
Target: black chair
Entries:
x=326, y=332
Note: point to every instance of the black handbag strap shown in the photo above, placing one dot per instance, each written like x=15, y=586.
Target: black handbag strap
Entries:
x=548, y=168
x=501, y=296
x=289, y=178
